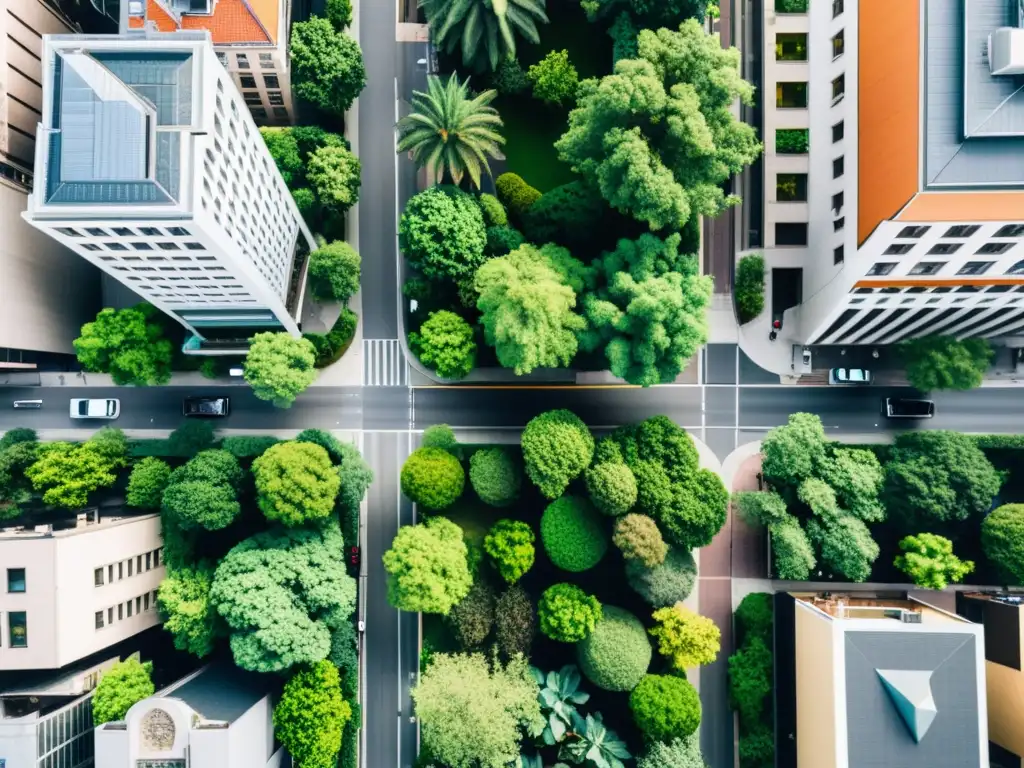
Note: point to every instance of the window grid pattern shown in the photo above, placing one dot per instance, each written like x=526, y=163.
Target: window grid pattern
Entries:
x=130, y=608
x=124, y=569
x=64, y=739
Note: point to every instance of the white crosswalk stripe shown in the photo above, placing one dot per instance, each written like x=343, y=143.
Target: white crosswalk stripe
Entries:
x=383, y=364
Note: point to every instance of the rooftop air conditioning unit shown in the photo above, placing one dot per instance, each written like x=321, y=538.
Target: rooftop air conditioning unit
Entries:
x=910, y=617
x=1006, y=51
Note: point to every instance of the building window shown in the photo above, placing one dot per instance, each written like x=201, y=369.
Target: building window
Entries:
x=90, y=246
x=975, y=268
x=898, y=249
x=790, y=233
x=837, y=8
x=142, y=246
x=116, y=246
x=177, y=232
x=1011, y=230
x=914, y=232
x=791, y=187
x=99, y=619
x=248, y=81
x=881, y=268
x=791, y=46
x=156, y=558
x=223, y=59
x=838, y=255
x=120, y=570
x=280, y=112
x=145, y=601
x=168, y=246
x=994, y=248
x=962, y=230
x=944, y=249
x=17, y=629
x=267, y=60
x=68, y=232
x=837, y=202
x=15, y=579
x=97, y=577
x=259, y=112
x=838, y=131
x=838, y=89
x=838, y=167
x=838, y=224
x=253, y=99
x=138, y=564
x=927, y=267
x=149, y=561
x=1016, y=269
x=838, y=45
x=275, y=97
x=110, y=574
x=138, y=604
x=242, y=60
x=130, y=568
x=129, y=609
x=791, y=95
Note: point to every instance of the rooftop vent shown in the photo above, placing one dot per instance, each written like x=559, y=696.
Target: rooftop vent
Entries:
x=1006, y=51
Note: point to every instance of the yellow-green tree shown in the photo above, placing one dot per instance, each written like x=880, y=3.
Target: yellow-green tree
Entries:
x=686, y=638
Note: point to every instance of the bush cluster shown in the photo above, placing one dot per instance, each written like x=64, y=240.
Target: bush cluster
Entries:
x=516, y=194
x=750, y=680
x=496, y=476
x=750, y=287
x=665, y=707
x=567, y=613
x=432, y=477
x=616, y=654
x=573, y=534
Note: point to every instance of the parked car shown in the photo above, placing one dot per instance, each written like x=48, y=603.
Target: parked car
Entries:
x=95, y=408
x=905, y=408
x=354, y=556
x=206, y=406
x=849, y=376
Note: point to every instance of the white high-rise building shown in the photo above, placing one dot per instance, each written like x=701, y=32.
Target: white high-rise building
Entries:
x=149, y=165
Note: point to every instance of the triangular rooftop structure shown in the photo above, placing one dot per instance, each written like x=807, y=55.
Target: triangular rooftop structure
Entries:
x=911, y=692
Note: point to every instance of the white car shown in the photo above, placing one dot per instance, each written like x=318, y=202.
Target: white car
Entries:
x=98, y=408
x=849, y=376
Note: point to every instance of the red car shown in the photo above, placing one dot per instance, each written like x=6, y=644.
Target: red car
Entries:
x=353, y=556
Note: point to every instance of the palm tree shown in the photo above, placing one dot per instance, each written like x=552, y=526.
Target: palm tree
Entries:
x=448, y=132
x=484, y=29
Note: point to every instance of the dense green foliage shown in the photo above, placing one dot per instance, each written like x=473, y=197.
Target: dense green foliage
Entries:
x=427, y=568
x=432, y=477
x=612, y=487
x=184, y=601
x=945, y=362
x=67, y=473
x=327, y=66
x=750, y=680
x=310, y=715
x=510, y=546
x=557, y=447
x=282, y=592
x=638, y=538
x=339, y=13
x=665, y=707
x=567, y=613
x=1002, y=539
x=623, y=32
x=517, y=196
x=472, y=618
x=509, y=78
x=929, y=561
x=451, y=133
x=121, y=686
x=554, y=78
x=334, y=176
x=442, y=234
x=666, y=583
x=334, y=271
x=686, y=638
x=193, y=436
x=754, y=617
x=792, y=141
x=16, y=436
x=749, y=287
x=616, y=655
x=573, y=534
x=484, y=33
x=279, y=367
x=147, y=482
x=446, y=344
x=296, y=483
x=503, y=240
x=128, y=344
x=515, y=622
x=496, y=475
x=572, y=215
x=677, y=753
x=204, y=492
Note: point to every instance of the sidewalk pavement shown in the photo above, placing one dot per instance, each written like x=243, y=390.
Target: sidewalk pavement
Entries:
x=50, y=435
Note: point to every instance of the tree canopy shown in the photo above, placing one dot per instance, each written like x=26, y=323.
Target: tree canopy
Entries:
x=686, y=638
x=442, y=234
x=554, y=78
x=67, y=473
x=279, y=367
x=657, y=137
x=295, y=483
x=128, y=344
x=510, y=546
x=433, y=477
x=667, y=582
x=334, y=175
x=612, y=487
x=929, y=561
x=616, y=655
x=945, y=362
x=567, y=613
x=147, y=482
x=665, y=707
x=310, y=715
x=496, y=476
x=334, y=271
x=483, y=32
x=638, y=538
x=327, y=66
x=557, y=447
x=446, y=344
x=124, y=684
x=1002, y=539
x=184, y=601
x=427, y=567
x=573, y=534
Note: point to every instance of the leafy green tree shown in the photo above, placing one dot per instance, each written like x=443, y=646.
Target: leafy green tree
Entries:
x=527, y=310
x=128, y=344
x=493, y=211
x=764, y=507
x=755, y=617
x=929, y=561
x=646, y=309
x=451, y=133
x=356, y=476
x=660, y=441
x=147, y=482
x=657, y=137
x=757, y=747
x=612, y=488
x=750, y=680
x=623, y=32
x=677, y=753
x=334, y=175
x=295, y=483
x=472, y=618
x=15, y=487
x=792, y=554
x=515, y=194
x=573, y=534
x=17, y=436
x=279, y=367
x=857, y=478
x=184, y=601
x=616, y=655
x=573, y=215
x=638, y=538
x=327, y=66
x=211, y=466
x=557, y=447
x=339, y=13
x=503, y=240
x=309, y=718
x=282, y=592
x=845, y=545
x=67, y=473
x=515, y=623
x=793, y=452
x=496, y=476
x=483, y=32
x=200, y=504
x=446, y=344
x=509, y=78
x=567, y=613
x=193, y=436
x=433, y=477
x=1002, y=540
x=554, y=78
x=442, y=234
x=246, y=447
x=510, y=546
x=441, y=436
x=696, y=512
x=334, y=272
x=285, y=151
x=124, y=684
x=945, y=362
x=665, y=707
x=471, y=712
x=667, y=12
x=666, y=583
x=935, y=480
x=686, y=638
x=426, y=567
x=749, y=287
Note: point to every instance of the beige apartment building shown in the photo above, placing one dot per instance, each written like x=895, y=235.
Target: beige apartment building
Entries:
x=71, y=590
x=46, y=293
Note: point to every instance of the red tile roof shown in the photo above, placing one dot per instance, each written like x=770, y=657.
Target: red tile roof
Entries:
x=232, y=21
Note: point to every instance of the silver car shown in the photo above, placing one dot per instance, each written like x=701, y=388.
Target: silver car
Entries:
x=849, y=376
x=95, y=408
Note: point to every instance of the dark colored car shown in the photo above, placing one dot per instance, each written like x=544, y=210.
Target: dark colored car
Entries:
x=354, y=556
x=206, y=406
x=905, y=408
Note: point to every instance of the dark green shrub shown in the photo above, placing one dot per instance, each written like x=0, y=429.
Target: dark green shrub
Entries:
x=757, y=748
x=433, y=478
x=665, y=584
x=665, y=707
x=570, y=215
x=17, y=435
x=612, y=488
x=1002, y=539
x=516, y=194
x=750, y=682
x=503, y=240
x=441, y=436
x=573, y=534
x=339, y=13
x=493, y=211
x=334, y=272
x=616, y=655
x=496, y=476
x=147, y=483
x=190, y=438
x=247, y=447
x=509, y=78
x=792, y=141
x=750, y=287
x=754, y=618
x=332, y=345
x=623, y=33
x=471, y=619
x=442, y=233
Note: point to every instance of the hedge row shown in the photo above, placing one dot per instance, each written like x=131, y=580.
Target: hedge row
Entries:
x=750, y=681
